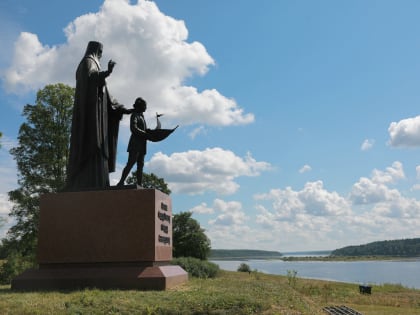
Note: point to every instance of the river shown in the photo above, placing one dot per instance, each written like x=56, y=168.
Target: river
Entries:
x=404, y=272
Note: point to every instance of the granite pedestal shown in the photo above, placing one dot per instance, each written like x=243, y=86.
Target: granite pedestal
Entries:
x=104, y=239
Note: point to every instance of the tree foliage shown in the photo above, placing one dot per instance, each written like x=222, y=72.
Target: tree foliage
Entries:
x=2, y=220
x=150, y=181
x=41, y=158
x=189, y=239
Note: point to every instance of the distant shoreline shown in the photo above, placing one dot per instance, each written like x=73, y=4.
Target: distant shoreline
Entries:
x=350, y=258
x=320, y=258
x=324, y=255
x=246, y=258
x=242, y=254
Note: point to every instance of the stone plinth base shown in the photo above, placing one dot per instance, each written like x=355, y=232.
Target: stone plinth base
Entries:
x=101, y=277
x=113, y=239
x=110, y=226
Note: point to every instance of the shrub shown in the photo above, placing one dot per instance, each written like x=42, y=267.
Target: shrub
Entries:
x=292, y=277
x=14, y=265
x=196, y=267
x=244, y=268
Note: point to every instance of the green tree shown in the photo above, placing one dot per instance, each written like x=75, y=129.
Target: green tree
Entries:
x=150, y=181
x=41, y=158
x=2, y=220
x=189, y=239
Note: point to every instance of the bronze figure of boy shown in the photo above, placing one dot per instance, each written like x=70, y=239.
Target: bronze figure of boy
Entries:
x=137, y=146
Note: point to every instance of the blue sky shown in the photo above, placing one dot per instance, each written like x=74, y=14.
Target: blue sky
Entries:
x=299, y=126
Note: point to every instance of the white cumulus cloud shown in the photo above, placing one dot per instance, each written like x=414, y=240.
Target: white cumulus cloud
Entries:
x=5, y=220
x=375, y=189
x=214, y=169
x=392, y=174
x=367, y=144
x=5, y=204
x=8, y=167
x=305, y=168
x=385, y=201
x=232, y=213
x=153, y=55
x=312, y=216
x=202, y=209
x=313, y=200
x=405, y=133
x=197, y=131
x=230, y=225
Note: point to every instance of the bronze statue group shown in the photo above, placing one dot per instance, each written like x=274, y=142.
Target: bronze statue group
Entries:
x=95, y=125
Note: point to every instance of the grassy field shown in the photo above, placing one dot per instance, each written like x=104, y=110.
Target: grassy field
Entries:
x=229, y=293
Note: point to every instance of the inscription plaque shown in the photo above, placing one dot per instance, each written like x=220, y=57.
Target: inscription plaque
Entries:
x=164, y=217
x=164, y=228
x=164, y=239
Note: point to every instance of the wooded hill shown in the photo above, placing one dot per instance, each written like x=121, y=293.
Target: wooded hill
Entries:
x=243, y=254
x=403, y=248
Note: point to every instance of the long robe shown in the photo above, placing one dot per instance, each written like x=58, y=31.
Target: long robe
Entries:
x=94, y=131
